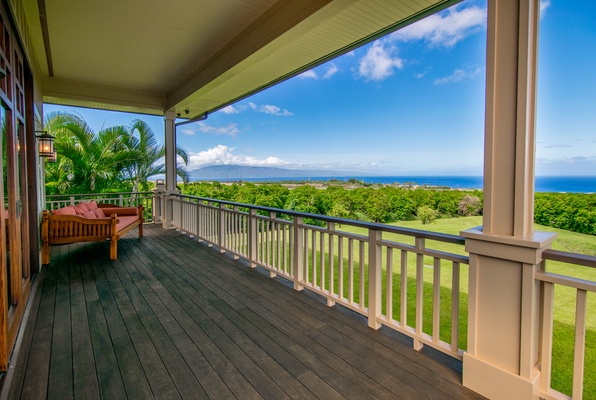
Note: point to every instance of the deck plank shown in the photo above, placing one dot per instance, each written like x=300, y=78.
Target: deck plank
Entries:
x=411, y=373
x=215, y=308
x=60, y=385
x=306, y=334
x=172, y=318
x=84, y=372
x=131, y=341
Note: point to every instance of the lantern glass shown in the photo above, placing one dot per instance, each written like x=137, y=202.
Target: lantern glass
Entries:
x=53, y=158
x=46, y=145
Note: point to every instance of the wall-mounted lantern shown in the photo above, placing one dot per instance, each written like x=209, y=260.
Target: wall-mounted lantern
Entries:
x=46, y=144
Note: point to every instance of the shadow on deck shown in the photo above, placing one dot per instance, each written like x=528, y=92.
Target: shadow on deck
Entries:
x=174, y=319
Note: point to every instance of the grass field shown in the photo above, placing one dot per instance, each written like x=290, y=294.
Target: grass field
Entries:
x=564, y=313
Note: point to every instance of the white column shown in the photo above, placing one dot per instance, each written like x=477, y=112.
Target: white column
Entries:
x=502, y=357
x=170, y=163
x=170, y=142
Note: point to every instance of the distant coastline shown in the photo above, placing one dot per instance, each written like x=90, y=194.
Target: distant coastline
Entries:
x=559, y=184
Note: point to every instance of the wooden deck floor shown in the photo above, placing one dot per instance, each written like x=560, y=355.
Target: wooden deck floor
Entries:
x=174, y=319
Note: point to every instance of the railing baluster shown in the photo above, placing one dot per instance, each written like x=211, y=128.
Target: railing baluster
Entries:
x=314, y=257
x=322, y=259
x=305, y=256
x=252, y=238
x=389, y=285
x=436, y=299
x=455, y=307
x=419, y=291
x=278, y=246
x=271, y=244
x=340, y=267
x=298, y=253
x=580, y=344
x=375, y=288
x=351, y=271
x=404, y=289
x=331, y=229
x=284, y=248
x=361, y=273
x=548, y=301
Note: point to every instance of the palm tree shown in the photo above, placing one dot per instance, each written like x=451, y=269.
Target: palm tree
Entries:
x=89, y=161
x=141, y=139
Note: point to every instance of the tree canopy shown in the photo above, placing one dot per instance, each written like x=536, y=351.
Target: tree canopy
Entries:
x=118, y=158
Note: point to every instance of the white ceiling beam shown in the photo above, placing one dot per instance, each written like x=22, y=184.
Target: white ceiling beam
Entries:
x=276, y=21
x=63, y=91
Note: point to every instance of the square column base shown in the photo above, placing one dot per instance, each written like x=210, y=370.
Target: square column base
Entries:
x=495, y=383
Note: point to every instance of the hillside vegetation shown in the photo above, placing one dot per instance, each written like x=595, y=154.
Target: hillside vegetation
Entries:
x=570, y=211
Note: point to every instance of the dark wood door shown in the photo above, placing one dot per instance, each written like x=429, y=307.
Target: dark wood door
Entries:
x=14, y=227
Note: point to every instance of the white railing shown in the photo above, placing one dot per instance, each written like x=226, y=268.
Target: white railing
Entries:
x=380, y=274
x=127, y=199
x=548, y=282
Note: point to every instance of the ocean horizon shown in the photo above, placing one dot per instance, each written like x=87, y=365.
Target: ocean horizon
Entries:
x=559, y=184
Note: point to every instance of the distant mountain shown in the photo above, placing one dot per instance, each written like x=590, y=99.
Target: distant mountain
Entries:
x=240, y=172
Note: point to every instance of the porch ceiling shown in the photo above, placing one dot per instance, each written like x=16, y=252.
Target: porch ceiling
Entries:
x=197, y=55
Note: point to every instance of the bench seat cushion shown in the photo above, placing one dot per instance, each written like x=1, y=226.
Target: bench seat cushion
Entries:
x=120, y=211
x=124, y=221
x=89, y=214
x=68, y=210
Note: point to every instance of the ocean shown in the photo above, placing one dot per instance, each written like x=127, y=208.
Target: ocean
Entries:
x=569, y=184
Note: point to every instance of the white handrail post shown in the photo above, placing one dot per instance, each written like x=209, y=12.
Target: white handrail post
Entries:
x=176, y=221
x=200, y=221
x=330, y=231
x=222, y=228
x=270, y=244
x=252, y=237
x=121, y=200
x=375, y=285
x=72, y=200
x=298, y=253
x=420, y=243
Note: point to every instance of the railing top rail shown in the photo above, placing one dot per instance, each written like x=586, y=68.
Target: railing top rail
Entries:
x=368, y=225
x=571, y=258
x=53, y=196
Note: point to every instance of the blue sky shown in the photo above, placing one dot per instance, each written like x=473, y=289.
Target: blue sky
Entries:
x=411, y=103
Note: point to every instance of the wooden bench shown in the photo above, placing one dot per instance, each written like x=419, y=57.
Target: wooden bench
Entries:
x=88, y=222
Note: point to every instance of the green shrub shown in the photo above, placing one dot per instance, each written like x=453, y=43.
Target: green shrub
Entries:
x=427, y=214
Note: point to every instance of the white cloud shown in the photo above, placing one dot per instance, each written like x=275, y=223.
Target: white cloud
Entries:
x=266, y=109
x=446, y=28
x=224, y=155
x=312, y=74
x=230, y=110
x=379, y=63
x=578, y=165
x=331, y=70
x=270, y=109
x=188, y=131
x=544, y=5
x=457, y=76
x=230, y=129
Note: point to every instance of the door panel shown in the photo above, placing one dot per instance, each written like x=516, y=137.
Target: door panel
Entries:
x=14, y=229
